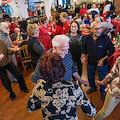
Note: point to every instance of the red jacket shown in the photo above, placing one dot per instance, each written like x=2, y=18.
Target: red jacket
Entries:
x=104, y=15
x=12, y=27
x=66, y=27
x=44, y=37
x=57, y=30
x=82, y=11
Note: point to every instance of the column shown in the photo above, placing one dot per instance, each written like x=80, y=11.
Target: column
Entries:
x=23, y=7
x=48, y=4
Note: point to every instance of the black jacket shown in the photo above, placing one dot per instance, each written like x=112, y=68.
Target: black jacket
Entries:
x=36, y=49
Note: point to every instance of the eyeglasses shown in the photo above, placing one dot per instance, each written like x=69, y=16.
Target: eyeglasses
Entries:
x=98, y=28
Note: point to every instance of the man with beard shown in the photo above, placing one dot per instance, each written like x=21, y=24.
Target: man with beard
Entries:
x=4, y=35
x=6, y=64
x=99, y=47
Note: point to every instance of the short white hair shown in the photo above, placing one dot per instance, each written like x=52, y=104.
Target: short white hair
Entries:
x=60, y=39
x=16, y=29
x=2, y=25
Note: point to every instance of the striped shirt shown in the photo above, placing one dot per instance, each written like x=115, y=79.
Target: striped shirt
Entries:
x=69, y=65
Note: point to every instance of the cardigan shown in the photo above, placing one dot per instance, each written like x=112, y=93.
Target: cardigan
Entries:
x=4, y=49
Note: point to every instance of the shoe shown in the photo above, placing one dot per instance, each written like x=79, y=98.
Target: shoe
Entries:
x=103, y=96
x=25, y=91
x=90, y=90
x=15, y=81
x=12, y=97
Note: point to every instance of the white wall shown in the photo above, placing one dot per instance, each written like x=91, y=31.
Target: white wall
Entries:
x=80, y=1
x=35, y=0
x=19, y=9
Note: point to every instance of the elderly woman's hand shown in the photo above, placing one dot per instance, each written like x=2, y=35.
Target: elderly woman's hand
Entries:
x=100, y=82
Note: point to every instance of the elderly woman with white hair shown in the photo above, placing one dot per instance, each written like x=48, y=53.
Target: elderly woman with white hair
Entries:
x=15, y=35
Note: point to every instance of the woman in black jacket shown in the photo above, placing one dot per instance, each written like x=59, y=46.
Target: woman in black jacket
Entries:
x=35, y=47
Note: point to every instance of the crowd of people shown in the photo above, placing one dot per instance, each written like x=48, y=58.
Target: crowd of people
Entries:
x=58, y=49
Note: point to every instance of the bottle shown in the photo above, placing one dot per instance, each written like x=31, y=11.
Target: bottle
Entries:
x=117, y=40
x=19, y=38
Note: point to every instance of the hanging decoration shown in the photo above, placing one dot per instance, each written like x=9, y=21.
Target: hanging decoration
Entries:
x=5, y=2
x=26, y=4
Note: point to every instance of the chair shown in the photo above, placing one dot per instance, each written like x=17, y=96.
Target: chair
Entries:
x=25, y=57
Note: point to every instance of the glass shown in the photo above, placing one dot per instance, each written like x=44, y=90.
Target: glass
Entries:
x=98, y=28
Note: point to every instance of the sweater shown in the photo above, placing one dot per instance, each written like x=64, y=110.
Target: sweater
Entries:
x=6, y=52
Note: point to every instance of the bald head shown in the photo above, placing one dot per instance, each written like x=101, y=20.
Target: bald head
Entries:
x=96, y=28
x=96, y=23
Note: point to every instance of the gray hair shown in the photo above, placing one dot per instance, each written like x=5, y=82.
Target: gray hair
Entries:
x=59, y=39
x=2, y=25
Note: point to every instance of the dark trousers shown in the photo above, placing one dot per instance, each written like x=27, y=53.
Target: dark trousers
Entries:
x=18, y=75
x=79, y=65
x=101, y=75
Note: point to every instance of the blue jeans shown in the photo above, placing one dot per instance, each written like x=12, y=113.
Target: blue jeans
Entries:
x=101, y=75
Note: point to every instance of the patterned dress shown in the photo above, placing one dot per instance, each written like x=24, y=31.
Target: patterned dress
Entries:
x=59, y=101
x=114, y=79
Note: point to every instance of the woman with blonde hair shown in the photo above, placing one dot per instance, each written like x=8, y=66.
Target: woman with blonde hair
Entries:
x=35, y=47
x=65, y=21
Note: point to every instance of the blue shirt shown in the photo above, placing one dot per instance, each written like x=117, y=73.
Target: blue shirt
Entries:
x=97, y=49
x=69, y=65
x=87, y=22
